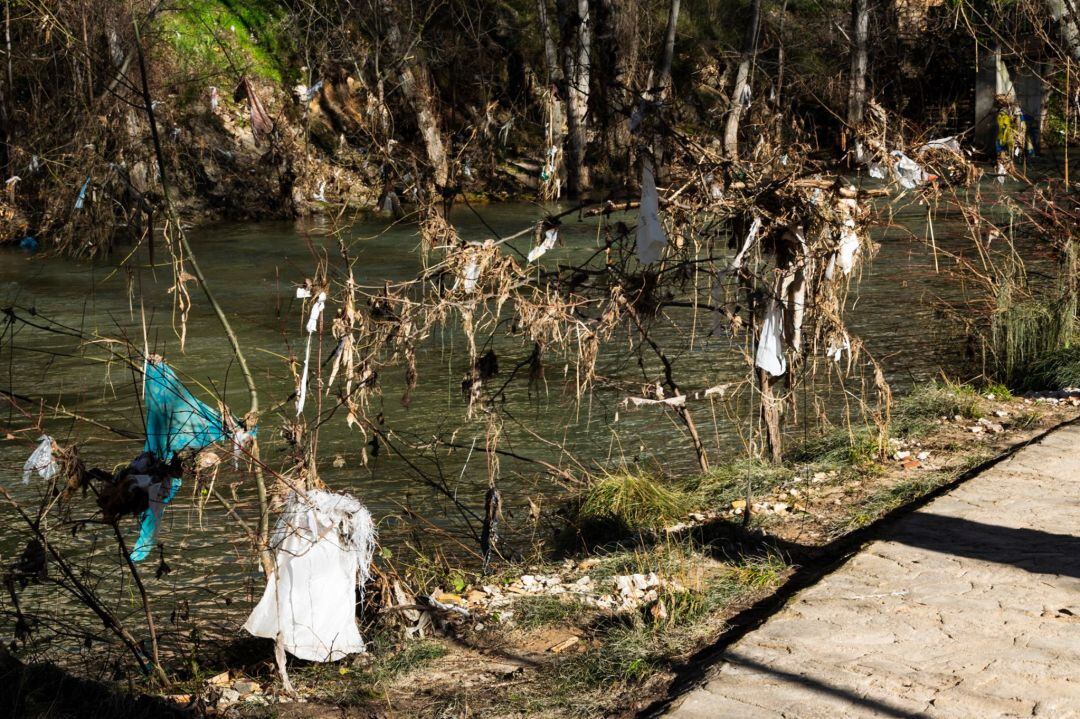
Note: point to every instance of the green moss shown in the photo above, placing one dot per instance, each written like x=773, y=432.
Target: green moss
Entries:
x=228, y=36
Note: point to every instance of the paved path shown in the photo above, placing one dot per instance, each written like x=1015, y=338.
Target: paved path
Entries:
x=970, y=608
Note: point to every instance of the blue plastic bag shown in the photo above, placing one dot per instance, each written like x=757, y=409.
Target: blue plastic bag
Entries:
x=175, y=421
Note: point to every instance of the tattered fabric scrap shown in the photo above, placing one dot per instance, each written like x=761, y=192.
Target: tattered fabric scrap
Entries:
x=323, y=545
x=651, y=238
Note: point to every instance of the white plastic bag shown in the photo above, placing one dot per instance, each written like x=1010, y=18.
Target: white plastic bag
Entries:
x=770, y=349
x=323, y=544
x=41, y=461
x=651, y=238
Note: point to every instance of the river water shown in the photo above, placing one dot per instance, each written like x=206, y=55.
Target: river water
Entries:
x=253, y=269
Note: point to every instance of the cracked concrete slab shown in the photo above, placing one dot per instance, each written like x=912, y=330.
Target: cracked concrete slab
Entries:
x=969, y=607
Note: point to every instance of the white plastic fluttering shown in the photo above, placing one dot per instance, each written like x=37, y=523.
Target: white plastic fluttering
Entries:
x=751, y=237
x=908, y=172
x=472, y=275
x=41, y=461
x=844, y=257
x=770, y=349
x=942, y=143
x=651, y=238
x=837, y=347
x=550, y=237
x=323, y=544
x=312, y=325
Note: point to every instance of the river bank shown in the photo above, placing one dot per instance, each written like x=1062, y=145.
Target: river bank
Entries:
x=608, y=630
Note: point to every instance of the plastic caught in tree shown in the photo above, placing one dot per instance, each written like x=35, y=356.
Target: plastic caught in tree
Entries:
x=312, y=325
x=175, y=421
x=651, y=238
x=550, y=237
x=324, y=543
x=770, y=349
x=81, y=199
x=41, y=461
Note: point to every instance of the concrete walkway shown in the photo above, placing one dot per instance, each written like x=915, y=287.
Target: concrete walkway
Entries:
x=969, y=608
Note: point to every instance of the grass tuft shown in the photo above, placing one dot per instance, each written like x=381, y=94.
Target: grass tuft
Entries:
x=634, y=500
x=1054, y=371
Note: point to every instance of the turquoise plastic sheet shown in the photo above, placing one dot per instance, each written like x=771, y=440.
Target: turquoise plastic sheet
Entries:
x=175, y=421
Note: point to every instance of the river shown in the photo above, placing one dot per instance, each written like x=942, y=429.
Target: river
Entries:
x=253, y=269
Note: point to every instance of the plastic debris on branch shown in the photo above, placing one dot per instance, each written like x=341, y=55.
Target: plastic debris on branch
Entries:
x=751, y=237
x=41, y=461
x=770, y=349
x=175, y=421
x=551, y=236
x=312, y=325
x=651, y=238
x=844, y=257
x=324, y=543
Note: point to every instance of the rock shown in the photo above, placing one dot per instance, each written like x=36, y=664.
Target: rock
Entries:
x=564, y=645
x=1000, y=413
x=229, y=696
x=658, y=611
x=529, y=581
x=179, y=699
x=246, y=686
x=780, y=507
x=738, y=504
x=219, y=680
x=474, y=596
x=584, y=581
x=923, y=456
x=902, y=455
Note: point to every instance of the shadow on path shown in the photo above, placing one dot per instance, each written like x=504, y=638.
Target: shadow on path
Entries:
x=821, y=687
x=1029, y=549
x=813, y=563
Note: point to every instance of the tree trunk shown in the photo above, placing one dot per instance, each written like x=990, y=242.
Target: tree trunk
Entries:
x=860, y=22
x=770, y=416
x=1064, y=12
x=742, y=84
x=661, y=81
x=554, y=112
x=419, y=93
x=576, y=40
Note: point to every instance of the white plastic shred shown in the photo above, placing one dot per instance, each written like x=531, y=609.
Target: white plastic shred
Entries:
x=312, y=325
x=323, y=545
x=550, y=237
